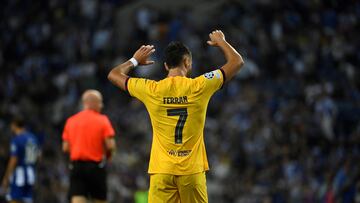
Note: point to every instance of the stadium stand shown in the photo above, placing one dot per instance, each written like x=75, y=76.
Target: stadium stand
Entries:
x=287, y=130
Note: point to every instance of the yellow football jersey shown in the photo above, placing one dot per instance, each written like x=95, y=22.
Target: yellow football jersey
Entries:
x=177, y=108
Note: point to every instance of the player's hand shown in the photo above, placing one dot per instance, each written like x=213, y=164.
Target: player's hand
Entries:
x=143, y=53
x=216, y=37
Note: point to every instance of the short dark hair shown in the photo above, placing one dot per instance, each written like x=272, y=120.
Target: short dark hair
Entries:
x=174, y=54
x=18, y=121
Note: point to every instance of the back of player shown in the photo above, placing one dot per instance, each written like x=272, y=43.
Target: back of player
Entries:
x=177, y=108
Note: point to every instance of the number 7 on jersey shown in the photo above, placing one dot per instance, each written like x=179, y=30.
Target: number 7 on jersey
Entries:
x=182, y=113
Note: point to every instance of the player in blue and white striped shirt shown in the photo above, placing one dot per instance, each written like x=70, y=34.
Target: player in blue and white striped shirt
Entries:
x=20, y=172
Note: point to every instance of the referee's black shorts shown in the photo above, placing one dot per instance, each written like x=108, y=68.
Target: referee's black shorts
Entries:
x=88, y=179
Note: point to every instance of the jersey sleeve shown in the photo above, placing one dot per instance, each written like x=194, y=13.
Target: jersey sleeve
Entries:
x=14, y=148
x=212, y=81
x=65, y=135
x=138, y=87
x=108, y=129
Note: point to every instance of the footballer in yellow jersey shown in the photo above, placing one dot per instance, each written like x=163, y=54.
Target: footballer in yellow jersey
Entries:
x=177, y=107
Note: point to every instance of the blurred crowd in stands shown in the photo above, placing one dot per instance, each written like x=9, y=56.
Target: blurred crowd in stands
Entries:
x=287, y=129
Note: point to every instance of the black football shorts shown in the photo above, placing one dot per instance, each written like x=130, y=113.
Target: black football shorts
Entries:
x=88, y=179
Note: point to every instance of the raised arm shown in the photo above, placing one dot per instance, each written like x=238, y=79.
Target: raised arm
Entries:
x=119, y=74
x=234, y=60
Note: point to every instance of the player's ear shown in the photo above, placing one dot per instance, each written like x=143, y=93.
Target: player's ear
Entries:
x=187, y=62
x=101, y=105
x=166, y=66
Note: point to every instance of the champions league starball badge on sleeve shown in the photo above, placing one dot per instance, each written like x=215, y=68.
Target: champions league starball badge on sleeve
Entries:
x=212, y=74
x=209, y=75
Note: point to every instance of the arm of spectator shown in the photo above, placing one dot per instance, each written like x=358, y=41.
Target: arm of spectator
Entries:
x=9, y=170
x=119, y=75
x=234, y=60
x=65, y=147
x=110, y=147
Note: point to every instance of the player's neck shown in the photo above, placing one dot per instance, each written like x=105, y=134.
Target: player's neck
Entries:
x=178, y=71
x=91, y=108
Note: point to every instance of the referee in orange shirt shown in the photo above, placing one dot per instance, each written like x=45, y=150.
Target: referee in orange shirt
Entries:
x=89, y=139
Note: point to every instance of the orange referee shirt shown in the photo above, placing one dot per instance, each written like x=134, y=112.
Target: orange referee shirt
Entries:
x=86, y=132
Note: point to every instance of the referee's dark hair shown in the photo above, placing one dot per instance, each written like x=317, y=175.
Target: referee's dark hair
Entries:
x=174, y=54
x=18, y=121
